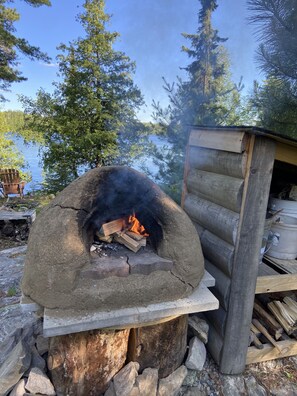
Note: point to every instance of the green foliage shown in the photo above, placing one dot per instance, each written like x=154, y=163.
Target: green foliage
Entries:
x=206, y=97
x=89, y=120
x=12, y=46
x=276, y=99
x=12, y=122
x=12, y=291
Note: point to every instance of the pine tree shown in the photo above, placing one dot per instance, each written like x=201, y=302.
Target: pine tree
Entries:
x=93, y=108
x=206, y=97
x=11, y=45
x=276, y=99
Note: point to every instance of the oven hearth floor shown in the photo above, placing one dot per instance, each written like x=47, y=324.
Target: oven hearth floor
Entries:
x=62, y=322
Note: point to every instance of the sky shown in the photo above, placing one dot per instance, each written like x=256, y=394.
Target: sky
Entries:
x=150, y=34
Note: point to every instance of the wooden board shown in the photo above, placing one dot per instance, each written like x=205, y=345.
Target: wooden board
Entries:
x=286, y=153
x=222, y=190
x=269, y=352
x=222, y=287
x=265, y=270
x=218, y=220
x=288, y=266
x=28, y=215
x=217, y=318
x=217, y=161
x=215, y=344
x=247, y=252
x=217, y=251
x=276, y=283
x=225, y=140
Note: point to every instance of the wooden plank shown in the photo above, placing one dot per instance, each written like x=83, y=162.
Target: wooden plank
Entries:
x=289, y=266
x=214, y=344
x=269, y=352
x=112, y=227
x=200, y=230
x=247, y=251
x=286, y=153
x=276, y=283
x=217, y=251
x=222, y=190
x=232, y=140
x=265, y=270
x=217, y=318
x=28, y=215
x=222, y=287
x=186, y=171
x=216, y=161
x=218, y=220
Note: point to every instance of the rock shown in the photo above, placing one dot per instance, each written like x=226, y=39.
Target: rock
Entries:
x=199, y=328
x=144, y=263
x=253, y=388
x=171, y=385
x=194, y=391
x=19, y=388
x=146, y=384
x=288, y=389
x=37, y=360
x=11, y=371
x=233, y=385
x=42, y=344
x=197, y=355
x=104, y=267
x=38, y=382
x=110, y=391
x=124, y=380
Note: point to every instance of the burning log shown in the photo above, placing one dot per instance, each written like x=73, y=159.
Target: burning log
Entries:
x=127, y=231
x=103, y=238
x=112, y=227
x=272, y=325
x=130, y=243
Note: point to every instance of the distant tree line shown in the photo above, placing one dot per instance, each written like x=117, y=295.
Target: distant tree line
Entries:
x=90, y=119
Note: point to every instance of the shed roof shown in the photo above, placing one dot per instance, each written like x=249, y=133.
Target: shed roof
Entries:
x=253, y=130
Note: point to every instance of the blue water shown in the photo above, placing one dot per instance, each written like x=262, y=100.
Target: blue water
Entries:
x=32, y=154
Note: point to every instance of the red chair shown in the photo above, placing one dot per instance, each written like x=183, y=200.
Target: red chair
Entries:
x=10, y=182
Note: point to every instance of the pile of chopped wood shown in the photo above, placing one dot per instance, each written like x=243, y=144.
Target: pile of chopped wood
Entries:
x=273, y=320
x=126, y=231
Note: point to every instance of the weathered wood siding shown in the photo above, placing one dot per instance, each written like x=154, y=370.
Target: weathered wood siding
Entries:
x=223, y=170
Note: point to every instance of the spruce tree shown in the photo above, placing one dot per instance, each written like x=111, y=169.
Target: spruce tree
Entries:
x=276, y=99
x=11, y=45
x=93, y=108
x=206, y=97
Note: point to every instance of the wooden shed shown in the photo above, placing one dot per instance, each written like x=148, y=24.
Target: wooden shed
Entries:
x=229, y=175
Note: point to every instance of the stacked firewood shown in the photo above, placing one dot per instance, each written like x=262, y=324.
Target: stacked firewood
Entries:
x=126, y=231
x=273, y=320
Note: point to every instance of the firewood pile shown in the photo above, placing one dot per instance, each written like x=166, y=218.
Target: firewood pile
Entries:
x=126, y=231
x=274, y=319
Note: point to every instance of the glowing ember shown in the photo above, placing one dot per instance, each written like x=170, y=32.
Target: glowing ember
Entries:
x=135, y=226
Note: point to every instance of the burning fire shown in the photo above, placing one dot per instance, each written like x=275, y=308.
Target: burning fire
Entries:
x=135, y=226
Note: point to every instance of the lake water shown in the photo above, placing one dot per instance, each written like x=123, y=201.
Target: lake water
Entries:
x=32, y=152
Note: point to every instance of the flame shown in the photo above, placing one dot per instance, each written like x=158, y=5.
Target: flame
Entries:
x=135, y=226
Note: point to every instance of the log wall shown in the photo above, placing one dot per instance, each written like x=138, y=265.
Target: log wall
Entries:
x=225, y=180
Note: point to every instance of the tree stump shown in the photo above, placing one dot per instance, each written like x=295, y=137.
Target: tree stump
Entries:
x=161, y=346
x=82, y=364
